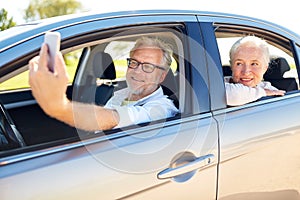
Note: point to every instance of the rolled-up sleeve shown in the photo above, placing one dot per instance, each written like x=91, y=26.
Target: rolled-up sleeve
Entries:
x=154, y=110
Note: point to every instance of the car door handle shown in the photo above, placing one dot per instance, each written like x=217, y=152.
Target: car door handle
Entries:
x=189, y=167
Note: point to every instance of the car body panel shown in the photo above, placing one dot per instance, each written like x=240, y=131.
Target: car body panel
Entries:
x=215, y=151
x=85, y=167
x=130, y=159
x=258, y=141
x=267, y=158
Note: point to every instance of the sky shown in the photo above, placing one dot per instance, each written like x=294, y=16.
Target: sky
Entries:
x=284, y=13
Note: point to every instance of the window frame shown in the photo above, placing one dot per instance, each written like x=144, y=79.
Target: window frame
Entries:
x=274, y=39
x=104, y=37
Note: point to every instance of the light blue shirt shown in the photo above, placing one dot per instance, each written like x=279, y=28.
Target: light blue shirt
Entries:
x=152, y=107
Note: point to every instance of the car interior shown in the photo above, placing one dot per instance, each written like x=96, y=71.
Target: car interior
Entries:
x=100, y=72
x=275, y=75
x=96, y=79
x=282, y=72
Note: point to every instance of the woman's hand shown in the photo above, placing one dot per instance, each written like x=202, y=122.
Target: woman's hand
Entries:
x=275, y=92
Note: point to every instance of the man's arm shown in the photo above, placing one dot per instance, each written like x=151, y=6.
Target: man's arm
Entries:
x=86, y=116
x=49, y=89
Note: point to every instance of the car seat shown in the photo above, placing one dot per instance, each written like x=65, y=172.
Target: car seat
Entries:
x=226, y=70
x=170, y=87
x=103, y=69
x=275, y=72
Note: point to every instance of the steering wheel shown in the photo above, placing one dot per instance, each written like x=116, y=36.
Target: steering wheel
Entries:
x=9, y=135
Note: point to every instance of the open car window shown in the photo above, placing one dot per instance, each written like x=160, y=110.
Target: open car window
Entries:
x=103, y=65
x=282, y=71
x=97, y=67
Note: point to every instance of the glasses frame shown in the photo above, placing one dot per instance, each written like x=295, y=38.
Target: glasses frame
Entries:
x=142, y=63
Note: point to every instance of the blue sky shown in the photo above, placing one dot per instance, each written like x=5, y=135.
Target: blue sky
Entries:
x=284, y=13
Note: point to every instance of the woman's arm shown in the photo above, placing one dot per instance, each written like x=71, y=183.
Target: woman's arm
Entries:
x=239, y=94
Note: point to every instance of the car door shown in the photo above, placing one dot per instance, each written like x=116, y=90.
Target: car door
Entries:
x=258, y=141
x=167, y=159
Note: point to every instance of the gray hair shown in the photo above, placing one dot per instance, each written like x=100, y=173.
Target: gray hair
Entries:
x=253, y=41
x=157, y=43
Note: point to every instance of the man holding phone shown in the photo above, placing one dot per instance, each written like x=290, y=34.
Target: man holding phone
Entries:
x=142, y=101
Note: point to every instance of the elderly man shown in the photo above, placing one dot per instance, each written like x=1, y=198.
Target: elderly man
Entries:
x=142, y=101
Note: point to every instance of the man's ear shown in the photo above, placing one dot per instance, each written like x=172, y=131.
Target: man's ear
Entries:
x=163, y=76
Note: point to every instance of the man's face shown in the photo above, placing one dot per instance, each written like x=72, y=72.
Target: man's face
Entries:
x=139, y=82
x=248, y=65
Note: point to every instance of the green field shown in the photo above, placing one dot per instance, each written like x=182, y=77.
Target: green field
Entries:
x=21, y=81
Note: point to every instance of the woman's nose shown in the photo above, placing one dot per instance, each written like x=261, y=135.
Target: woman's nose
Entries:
x=246, y=69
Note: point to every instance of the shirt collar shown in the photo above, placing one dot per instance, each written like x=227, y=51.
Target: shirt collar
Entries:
x=121, y=95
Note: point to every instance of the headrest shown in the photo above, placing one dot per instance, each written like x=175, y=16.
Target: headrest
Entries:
x=277, y=68
x=170, y=83
x=170, y=87
x=227, y=70
x=103, y=66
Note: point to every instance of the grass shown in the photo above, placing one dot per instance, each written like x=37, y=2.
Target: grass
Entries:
x=21, y=81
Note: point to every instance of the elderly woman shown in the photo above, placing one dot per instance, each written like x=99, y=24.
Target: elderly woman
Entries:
x=249, y=59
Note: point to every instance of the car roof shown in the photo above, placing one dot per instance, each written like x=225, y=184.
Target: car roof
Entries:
x=25, y=31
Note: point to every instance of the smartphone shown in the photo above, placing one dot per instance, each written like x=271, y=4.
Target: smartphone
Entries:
x=52, y=39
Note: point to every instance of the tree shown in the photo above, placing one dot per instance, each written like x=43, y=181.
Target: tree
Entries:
x=5, y=23
x=41, y=9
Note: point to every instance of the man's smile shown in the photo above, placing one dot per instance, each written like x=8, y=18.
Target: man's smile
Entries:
x=138, y=80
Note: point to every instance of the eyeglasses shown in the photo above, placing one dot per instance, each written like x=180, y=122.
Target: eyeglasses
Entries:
x=146, y=67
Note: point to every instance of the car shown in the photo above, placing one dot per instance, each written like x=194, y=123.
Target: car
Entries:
x=208, y=151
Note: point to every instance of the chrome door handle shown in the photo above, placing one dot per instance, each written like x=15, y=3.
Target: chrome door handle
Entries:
x=191, y=166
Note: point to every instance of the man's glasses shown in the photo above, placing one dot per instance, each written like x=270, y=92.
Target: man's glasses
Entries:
x=146, y=67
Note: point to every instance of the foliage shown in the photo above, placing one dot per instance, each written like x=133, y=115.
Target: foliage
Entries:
x=41, y=9
x=5, y=23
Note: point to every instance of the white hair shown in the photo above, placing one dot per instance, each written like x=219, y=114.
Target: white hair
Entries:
x=252, y=41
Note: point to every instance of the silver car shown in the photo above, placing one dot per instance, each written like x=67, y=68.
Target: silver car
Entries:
x=208, y=151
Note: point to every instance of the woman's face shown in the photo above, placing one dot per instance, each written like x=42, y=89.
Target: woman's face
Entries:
x=248, y=65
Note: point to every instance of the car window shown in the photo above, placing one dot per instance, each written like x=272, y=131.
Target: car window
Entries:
x=20, y=81
x=282, y=63
x=88, y=78
x=93, y=83
x=119, y=50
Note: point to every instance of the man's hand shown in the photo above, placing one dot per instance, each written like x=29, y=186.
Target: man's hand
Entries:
x=49, y=89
